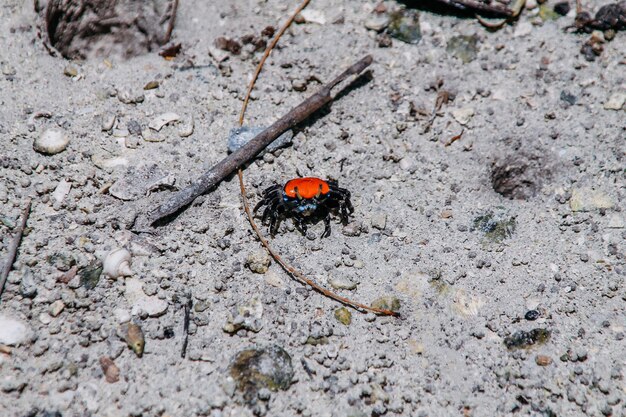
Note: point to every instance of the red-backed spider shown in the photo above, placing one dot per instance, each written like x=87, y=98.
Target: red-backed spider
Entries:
x=305, y=199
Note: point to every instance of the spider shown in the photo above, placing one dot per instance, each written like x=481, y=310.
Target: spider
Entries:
x=305, y=199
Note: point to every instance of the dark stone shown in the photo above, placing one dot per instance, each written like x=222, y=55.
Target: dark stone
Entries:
x=168, y=332
x=568, y=97
x=255, y=369
x=562, y=8
x=134, y=128
x=532, y=315
x=90, y=276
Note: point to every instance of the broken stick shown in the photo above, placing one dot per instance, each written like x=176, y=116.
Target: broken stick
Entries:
x=480, y=7
x=246, y=153
x=15, y=243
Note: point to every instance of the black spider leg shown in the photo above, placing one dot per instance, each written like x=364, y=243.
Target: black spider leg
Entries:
x=274, y=212
x=342, y=196
x=268, y=195
x=276, y=217
x=326, y=224
x=299, y=223
x=275, y=207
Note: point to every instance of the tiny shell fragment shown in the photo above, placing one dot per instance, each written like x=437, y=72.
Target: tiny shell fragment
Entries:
x=151, y=85
x=62, y=189
x=161, y=120
x=134, y=338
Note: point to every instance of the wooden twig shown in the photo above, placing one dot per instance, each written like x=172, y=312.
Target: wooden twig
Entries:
x=186, y=320
x=443, y=96
x=15, y=243
x=479, y=6
x=455, y=138
x=246, y=153
x=170, y=24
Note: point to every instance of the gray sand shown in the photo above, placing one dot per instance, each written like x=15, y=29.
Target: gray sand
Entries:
x=466, y=263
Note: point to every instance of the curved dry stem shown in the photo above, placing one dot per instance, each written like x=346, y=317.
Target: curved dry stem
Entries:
x=291, y=270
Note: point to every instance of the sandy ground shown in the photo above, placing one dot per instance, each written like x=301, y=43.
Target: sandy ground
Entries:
x=517, y=226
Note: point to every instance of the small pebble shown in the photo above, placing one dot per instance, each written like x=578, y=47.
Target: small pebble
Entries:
x=523, y=29
x=377, y=22
x=463, y=47
x=532, y=315
x=61, y=191
x=404, y=25
x=543, y=360
x=108, y=121
x=258, y=262
x=128, y=97
x=70, y=71
x=56, y=308
x=186, y=129
x=13, y=331
x=111, y=371
x=299, y=85
x=8, y=70
x=615, y=102
x=379, y=221
x=341, y=283
x=261, y=368
x=352, y=229
x=313, y=16
x=387, y=303
x=273, y=279
x=28, y=286
x=134, y=128
x=463, y=116
x=51, y=142
x=151, y=85
x=343, y=316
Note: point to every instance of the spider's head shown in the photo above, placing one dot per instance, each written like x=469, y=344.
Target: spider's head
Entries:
x=306, y=207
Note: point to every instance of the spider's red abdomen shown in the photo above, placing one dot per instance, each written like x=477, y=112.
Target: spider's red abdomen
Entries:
x=307, y=187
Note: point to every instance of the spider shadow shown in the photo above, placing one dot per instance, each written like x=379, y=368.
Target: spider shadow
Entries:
x=312, y=220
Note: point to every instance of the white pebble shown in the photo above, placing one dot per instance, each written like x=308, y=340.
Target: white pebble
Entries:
x=63, y=188
x=13, y=331
x=186, y=129
x=615, y=102
x=51, y=141
x=313, y=16
x=464, y=115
